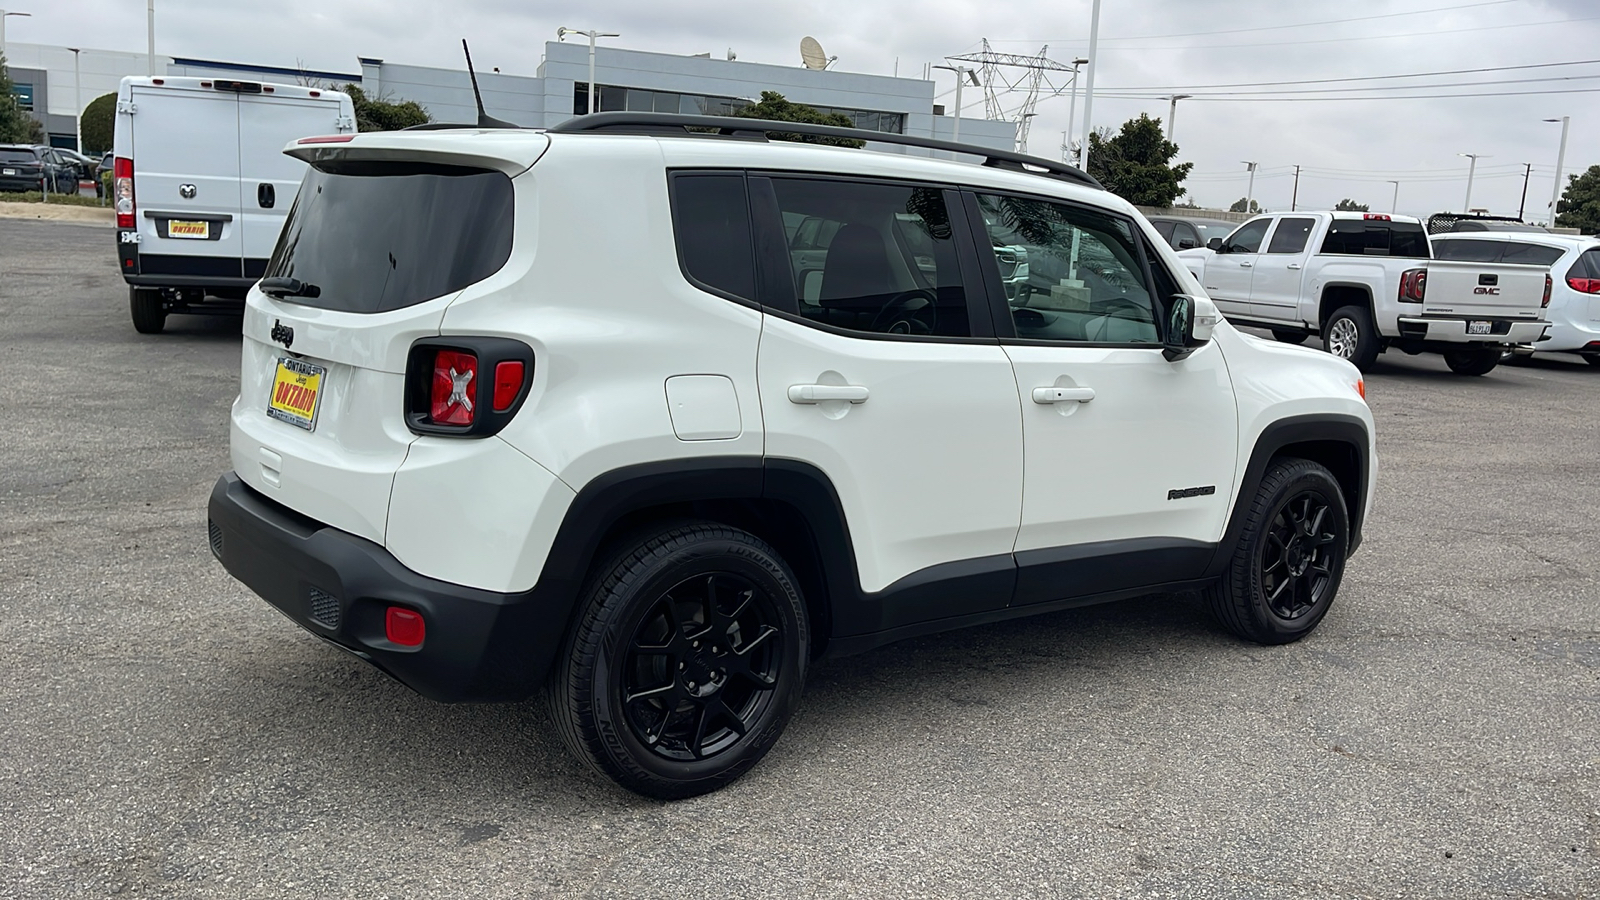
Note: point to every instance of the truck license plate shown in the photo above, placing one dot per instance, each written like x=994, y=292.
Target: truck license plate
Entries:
x=192, y=230
x=1480, y=327
x=296, y=387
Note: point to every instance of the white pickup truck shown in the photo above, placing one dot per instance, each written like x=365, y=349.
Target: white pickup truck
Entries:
x=1366, y=282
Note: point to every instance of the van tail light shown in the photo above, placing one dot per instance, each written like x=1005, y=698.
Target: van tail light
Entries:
x=466, y=386
x=122, y=190
x=1584, y=285
x=1413, y=284
x=1547, y=285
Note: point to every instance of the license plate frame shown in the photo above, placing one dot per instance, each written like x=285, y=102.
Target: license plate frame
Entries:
x=1480, y=327
x=292, y=381
x=189, y=229
x=8, y=171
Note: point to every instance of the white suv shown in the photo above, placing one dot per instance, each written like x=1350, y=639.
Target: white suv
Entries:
x=1574, y=262
x=653, y=419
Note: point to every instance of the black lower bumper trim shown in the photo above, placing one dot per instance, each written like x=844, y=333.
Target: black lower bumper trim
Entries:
x=480, y=645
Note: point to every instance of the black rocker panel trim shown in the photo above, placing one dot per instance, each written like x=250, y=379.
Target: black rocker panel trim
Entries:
x=1106, y=567
x=1347, y=433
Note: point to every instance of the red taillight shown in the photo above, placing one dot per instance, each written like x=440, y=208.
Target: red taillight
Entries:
x=1584, y=285
x=508, y=377
x=1413, y=284
x=122, y=190
x=404, y=626
x=454, y=377
x=1547, y=285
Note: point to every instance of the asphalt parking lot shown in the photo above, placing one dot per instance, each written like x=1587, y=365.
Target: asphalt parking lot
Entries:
x=163, y=733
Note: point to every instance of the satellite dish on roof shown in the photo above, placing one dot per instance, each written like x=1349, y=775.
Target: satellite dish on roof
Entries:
x=811, y=53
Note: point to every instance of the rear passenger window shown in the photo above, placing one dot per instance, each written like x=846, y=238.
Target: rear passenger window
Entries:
x=873, y=257
x=1291, y=235
x=1529, y=254
x=711, y=220
x=1376, y=237
x=1467, y=251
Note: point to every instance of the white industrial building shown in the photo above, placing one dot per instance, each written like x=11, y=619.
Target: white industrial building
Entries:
x=47, y=82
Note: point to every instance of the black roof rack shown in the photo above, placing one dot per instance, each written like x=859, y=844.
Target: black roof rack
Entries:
x=672, y=124
x=1447, y=222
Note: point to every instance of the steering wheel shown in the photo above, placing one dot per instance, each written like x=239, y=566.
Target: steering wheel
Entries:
x=908, y=312
x=1110, y=308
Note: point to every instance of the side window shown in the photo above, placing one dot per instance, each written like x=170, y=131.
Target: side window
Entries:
x=1587, y=270
x=1167, y=230
x=1069, y=273
x=1467, y=251
x=711, y=221
x=1185, y=237
x=873, y=257
x=1291, y=235
x=1247, y=239
x=1530, y=254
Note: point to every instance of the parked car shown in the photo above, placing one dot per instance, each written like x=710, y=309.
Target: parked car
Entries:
x=660, y=503
x=1188, y=232
x=201, y=187
x=1574, y=265
x=1366, y=282
x=33, y=167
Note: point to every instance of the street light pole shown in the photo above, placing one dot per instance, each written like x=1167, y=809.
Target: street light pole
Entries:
x=592, y=34
x=1250, y=189
x=1472, y=169
x=1527, y=169
x=1561, y=160
x=1072, y=110
x=1172, y=114
x=1088, y=89
x=1395, y=203
x=962, y=74
x=1294, y=198
x=150, y=7
x=77, y=98
x=3, y=14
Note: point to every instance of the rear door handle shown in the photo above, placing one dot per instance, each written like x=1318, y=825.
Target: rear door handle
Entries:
x=1048, y=395
x=816, y=393
x=1293, y=266
x=1246, y=265
x=266, y=195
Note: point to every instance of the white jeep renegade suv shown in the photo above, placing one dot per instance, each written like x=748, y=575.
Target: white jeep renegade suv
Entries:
x=651, y=419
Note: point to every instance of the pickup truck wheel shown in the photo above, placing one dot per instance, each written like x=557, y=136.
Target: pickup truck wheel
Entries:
x=149, y=313
x=1290, y=557
x=1472, y=360
x=685, y=663
x=1290, y=337
x=1349, y=334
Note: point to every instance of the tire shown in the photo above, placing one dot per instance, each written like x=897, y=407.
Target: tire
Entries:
x=721, y=605
x=1290, y=337
x=1349, y=334
x=1296, y=525
x=1472, y=361
x=149, y=313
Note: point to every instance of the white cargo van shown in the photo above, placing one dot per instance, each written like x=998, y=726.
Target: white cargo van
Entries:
x=202, y=185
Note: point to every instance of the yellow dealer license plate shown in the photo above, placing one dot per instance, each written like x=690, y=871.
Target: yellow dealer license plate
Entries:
x=296, y=393
x=193, y=230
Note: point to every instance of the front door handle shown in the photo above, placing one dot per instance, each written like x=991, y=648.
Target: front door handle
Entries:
x=1049, y=395
x=1246, y=265
x=817, y=393
x=1293, y=265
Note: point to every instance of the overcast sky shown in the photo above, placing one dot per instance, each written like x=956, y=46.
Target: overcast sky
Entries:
x=1347, y=147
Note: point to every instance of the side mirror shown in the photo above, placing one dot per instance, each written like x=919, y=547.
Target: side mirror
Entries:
x=1186, y=244
x=1215, y=244
x=1190, y=321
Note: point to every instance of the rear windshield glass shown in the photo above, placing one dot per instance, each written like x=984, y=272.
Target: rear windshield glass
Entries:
x=377, y=236
x=17, y=156
x=1489, y=251
x=1374, y=237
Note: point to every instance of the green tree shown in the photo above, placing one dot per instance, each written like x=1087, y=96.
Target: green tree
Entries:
x=383, y=113
x=1348, y=205
x=1134, y=163
x=773, y=106
x=16, y=126
x=99, y=124
x=1239, y=205
x=1580, y=203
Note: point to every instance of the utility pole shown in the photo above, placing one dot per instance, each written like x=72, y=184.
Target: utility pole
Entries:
x=1295, y=198
x=1088, y=89
x=1561, y=160
x=1527, y=169
x=1394, y=204
x=1250, y=191
x=1472, y=169
x=150, y=7
x=1172, y=114
x=1072, y=107
x=561, y=34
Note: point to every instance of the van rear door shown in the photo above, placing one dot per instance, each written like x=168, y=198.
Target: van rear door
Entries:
x=186, y=180
x=269, y=179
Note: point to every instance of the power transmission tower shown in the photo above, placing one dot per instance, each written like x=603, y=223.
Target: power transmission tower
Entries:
x=997, y=73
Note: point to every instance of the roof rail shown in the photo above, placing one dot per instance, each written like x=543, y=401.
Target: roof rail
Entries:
x=673, y=124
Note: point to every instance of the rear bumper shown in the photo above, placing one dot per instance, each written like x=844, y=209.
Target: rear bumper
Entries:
x=20, y=184
x=479, y=645
x=1454, y=331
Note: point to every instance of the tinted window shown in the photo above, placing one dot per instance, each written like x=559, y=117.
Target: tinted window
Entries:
x=1185, y=237
x=379, y=236
x=1069, y=274
x=1467, y=251
x=873, y=257
x=1166, y=229
x=13, y=155
x=711, y=219
x=1587, y=266
x=1248, y=238
x=1529, y=254
x=1291, y=235
x=1375, y=237
x=1209, y=231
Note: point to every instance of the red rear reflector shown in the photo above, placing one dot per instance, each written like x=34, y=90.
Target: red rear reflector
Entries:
x=507, y=384
x=1375, y=217
x=455, y=376
x=122, y=190
x=326, y=139
x=163, y=81
x=1584, y=285
x=404, y=626
x=267, y=89
x=202, y=84
x=316, y=93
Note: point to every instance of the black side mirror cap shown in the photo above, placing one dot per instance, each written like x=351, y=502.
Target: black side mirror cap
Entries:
x=1215, y=244
x=1186, y=245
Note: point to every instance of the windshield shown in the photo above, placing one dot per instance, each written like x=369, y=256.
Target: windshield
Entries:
x=378, y=236
x=1209, y=231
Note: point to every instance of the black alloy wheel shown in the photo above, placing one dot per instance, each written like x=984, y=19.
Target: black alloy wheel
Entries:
x=686, y=661
x=1297, y=556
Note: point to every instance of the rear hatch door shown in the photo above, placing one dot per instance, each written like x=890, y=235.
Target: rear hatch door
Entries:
x=1459, y=289
x=186, y=179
